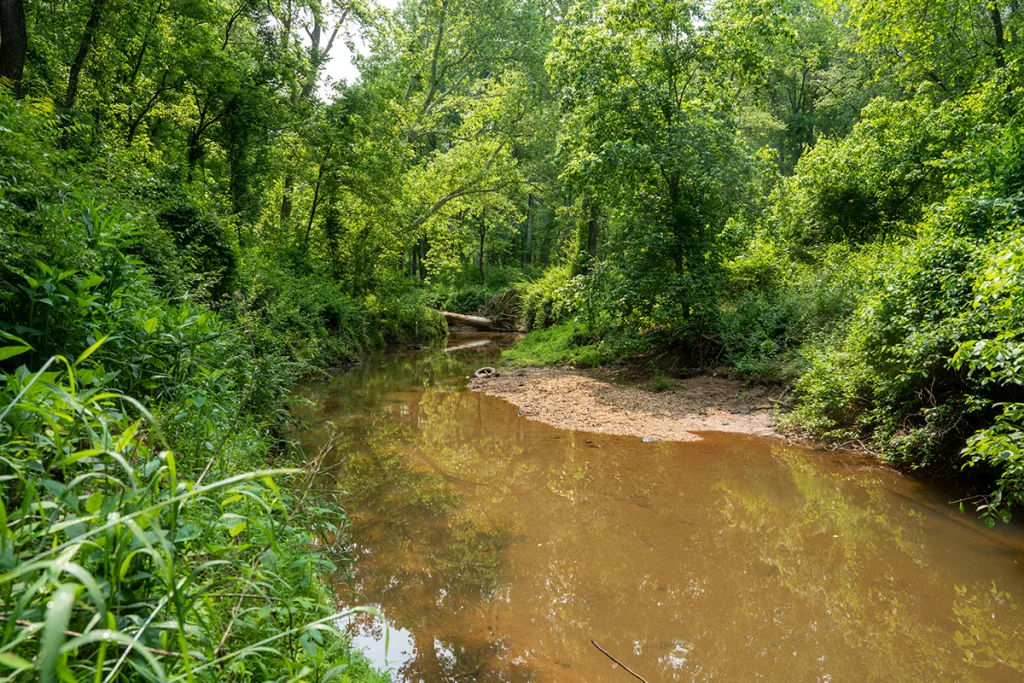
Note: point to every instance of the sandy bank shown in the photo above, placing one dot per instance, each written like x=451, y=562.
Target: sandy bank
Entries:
x=607, y=401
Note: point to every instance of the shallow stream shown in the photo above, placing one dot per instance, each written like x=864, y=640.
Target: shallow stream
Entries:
x=500, y=549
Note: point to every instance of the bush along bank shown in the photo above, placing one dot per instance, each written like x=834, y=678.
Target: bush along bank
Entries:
x=153, y=526
x=882, y=281
x=169, y=536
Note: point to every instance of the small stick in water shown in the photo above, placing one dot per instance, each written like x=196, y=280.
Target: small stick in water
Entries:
x=609, y=656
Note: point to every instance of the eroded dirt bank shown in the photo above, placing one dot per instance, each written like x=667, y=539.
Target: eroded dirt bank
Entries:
x=605, y=401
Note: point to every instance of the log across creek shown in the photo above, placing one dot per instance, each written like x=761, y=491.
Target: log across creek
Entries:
x=474, y=321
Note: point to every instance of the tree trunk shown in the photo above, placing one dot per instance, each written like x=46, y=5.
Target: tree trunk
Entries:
x=528, y=250
x=316, y=200
x=997, y=25
x=1014, y=8
x=424, y=249
x=432, y=89
x=91, y=27
x=480, y=260
x=193, y=152
x=13, y=42
x=475, y=321
x=286, y=200
x=592, y=234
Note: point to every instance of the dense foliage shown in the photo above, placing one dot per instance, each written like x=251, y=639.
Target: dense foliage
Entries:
x=194, y=214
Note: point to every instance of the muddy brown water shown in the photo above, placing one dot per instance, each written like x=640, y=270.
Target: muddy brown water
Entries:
x=497, y=548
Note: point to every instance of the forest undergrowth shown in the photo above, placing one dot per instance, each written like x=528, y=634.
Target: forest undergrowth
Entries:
x=202, y=202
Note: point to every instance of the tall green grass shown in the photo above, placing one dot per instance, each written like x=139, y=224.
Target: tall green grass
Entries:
x=121, y=560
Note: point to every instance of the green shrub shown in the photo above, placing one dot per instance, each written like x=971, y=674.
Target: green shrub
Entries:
x=203, y=242
x=568, y=343
x=771, y=315
x=759, y=266
x=992, y=355
x=874, y=182
x=660, y=383
x=403, y=319
x=760, y=333
x=467, y=299
x=547, y=300
x=303, y=317
x=928, y=366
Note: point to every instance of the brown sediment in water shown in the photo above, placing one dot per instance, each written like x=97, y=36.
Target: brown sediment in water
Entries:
x=606, y=402
x=499, y=548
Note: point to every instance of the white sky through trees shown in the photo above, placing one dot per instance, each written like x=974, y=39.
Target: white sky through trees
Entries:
x=341, y=66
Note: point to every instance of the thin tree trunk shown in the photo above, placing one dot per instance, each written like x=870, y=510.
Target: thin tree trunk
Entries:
x=13, y=42
x=1013, y=24
x=483, y=234
x=997, y=24
x=316, y=198
x=317, y=57
x=286, y=200
x=528, y=252
x=192, y=154
x=432, y=89
x=424, y=250
x=592, y=233
x=134, y=123
x=91, y=27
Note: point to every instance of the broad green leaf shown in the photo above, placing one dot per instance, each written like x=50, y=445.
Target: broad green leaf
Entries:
x=12, y=351
x=10, y=337
x=94, y=503
x=90, y=281
x=127, y=436
x=79, y=455
x=92, y=349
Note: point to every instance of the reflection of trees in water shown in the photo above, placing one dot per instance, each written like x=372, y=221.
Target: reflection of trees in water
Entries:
x=362, y=389
x=696, y=568
x=429, y=550
x=848, y=553
x=990, y=630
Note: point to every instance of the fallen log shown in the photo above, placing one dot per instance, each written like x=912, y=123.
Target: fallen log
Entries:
x=485, y=324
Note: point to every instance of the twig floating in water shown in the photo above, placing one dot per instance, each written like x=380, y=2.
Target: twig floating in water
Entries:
x=609, y=656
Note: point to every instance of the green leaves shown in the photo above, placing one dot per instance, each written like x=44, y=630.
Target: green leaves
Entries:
x=12, y=661
x=122, y=537
x=91, y=350
x=14, y=350
x=58, y=615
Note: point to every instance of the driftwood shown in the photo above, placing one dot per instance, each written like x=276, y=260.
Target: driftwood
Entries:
x=611, y=657
x=480, y=323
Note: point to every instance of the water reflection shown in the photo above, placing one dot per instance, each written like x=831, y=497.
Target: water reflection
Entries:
x=498, y=548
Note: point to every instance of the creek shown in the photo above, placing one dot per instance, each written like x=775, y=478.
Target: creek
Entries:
x=498, y=548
